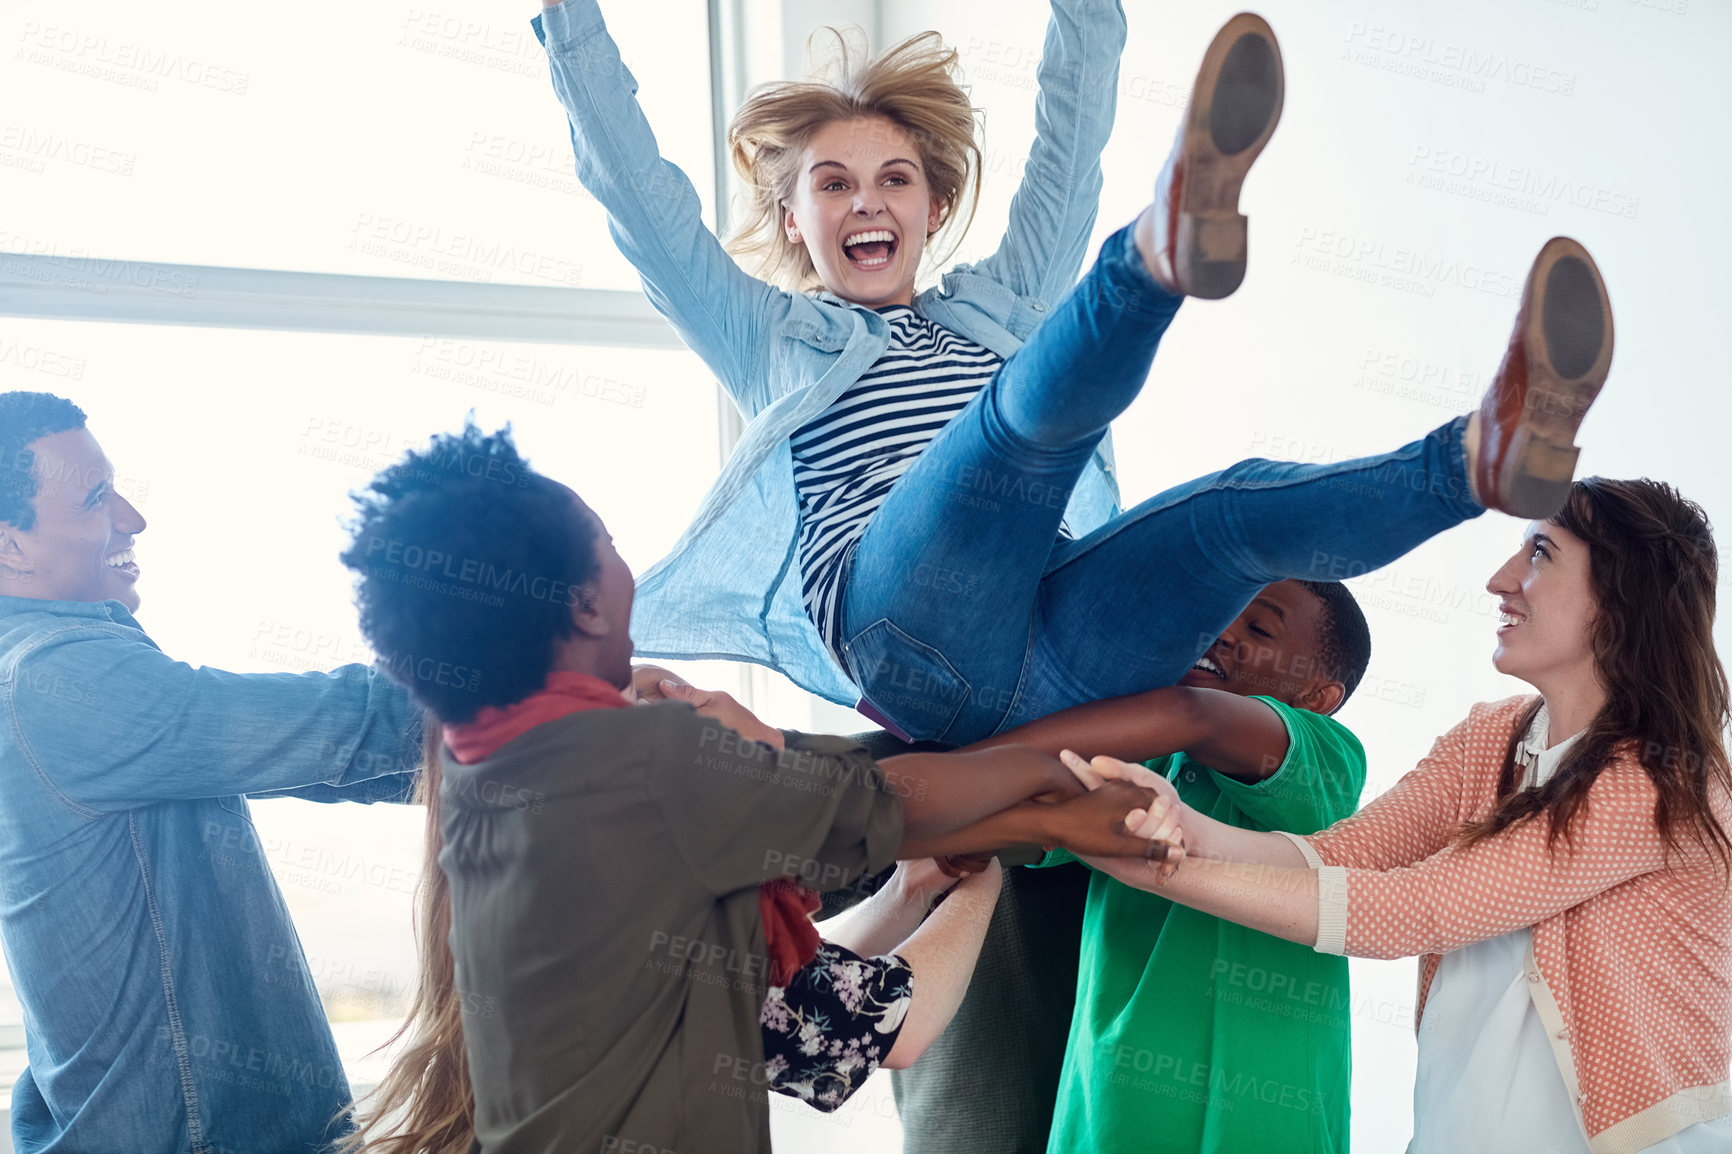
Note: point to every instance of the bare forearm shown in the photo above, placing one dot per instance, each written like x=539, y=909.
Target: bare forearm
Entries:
x=1238, y=736
x=942, y=954
x=1134, y=728
x=881, y=922
x=1207, y=838
x=1276, y=900
x=1095, y=822
x=943, y=792
x=1017, y=825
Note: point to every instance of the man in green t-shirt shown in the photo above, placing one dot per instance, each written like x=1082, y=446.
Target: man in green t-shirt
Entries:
x=1191, y=1033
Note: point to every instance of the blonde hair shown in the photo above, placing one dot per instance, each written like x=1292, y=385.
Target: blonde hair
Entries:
x=914, y=86
x=425, y=1104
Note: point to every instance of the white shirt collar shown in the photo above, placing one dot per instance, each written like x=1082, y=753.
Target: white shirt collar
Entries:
x=1532, y=753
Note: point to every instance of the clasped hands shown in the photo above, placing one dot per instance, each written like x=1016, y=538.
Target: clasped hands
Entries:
x=1095, y=823
x=1159, y=821
x=1088, y=822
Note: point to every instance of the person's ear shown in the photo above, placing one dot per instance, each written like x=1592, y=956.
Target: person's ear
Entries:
x=1323, y=697
x=586, y=615
x=790, y=225
x=934, y=216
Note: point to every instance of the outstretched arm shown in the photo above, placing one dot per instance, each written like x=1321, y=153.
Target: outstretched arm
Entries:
x=1204, y=837
x=1407, y=824
x=1053, y=213
x=966, y=803
x=225, y=733
x=653, y=211
x=1457, y=896
x=1238, y=736
x=953, y=803
x=1279, y=900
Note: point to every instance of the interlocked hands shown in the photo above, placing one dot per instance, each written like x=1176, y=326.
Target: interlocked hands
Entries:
x=1159, y=821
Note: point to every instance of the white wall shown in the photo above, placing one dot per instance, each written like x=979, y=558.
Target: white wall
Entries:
x=1609, y=113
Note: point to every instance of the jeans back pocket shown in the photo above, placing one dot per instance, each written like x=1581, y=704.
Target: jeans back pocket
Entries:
x=909, y=681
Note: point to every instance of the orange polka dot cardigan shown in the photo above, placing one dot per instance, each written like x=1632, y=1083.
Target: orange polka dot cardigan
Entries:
x=1631, y=967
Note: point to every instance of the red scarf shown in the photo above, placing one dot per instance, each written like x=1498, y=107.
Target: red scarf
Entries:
x=495, y=725
x=790, y=938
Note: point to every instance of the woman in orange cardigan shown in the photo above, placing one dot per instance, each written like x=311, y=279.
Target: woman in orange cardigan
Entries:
x=1560, y=862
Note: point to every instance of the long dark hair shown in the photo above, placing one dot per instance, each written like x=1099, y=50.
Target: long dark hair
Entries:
x=425, y=1104
x=1653, y=568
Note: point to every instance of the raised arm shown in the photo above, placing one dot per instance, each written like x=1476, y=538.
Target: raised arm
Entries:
x=653, y=211
x=1053, y=213
x=1238, y=736
x=941, y=947
x=942, y=952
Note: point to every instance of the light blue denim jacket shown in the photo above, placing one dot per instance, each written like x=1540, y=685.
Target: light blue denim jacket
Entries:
x=167, y=1003
x=731, y=586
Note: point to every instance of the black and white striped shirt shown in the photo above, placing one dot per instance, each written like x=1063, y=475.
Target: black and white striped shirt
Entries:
x=847, y=458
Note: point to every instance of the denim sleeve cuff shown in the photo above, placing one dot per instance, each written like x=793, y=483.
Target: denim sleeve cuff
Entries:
x=1332, y=910
x=1312, y=858
x=568, y=23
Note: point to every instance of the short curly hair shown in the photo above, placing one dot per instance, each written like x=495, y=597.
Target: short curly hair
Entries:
x=1343, y=635
x=24, y=419
x=467, y=564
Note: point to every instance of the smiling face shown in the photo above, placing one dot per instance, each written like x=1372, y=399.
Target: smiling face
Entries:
x=1547, y=606
x=1272, y=650
x=80, y=547
x=863, y=209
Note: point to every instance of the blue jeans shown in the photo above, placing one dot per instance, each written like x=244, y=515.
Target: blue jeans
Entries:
x=965, y=615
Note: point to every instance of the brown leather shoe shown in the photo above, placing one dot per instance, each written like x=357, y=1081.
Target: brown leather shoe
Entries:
x=1557, y=360
x=1234, y=107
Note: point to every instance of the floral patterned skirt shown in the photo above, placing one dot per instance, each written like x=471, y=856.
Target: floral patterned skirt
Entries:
x=831, y=1026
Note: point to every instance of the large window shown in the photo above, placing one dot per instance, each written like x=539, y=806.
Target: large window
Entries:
x=387, y=139
x=396, y=141
x=191, y=168
x=240, y=448
x=411, y=159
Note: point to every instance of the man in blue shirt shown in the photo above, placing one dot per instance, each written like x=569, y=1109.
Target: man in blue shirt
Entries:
x=167, y=1004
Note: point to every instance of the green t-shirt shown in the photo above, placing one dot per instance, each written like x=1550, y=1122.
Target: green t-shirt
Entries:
x=1195, y=1034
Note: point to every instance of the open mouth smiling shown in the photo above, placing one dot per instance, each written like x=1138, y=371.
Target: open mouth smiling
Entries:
x=871, y=249
x=1209, y=666
x=124, y=561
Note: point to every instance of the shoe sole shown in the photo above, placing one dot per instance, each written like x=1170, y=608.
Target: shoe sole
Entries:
x=1569, y=345
x=1235, y=105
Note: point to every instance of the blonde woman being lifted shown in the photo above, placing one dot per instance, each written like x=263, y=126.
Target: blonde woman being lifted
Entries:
x=921, y=517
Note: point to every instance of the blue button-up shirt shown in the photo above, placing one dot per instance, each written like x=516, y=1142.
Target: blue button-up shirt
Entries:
x=731, y=587
x=167, y=1004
